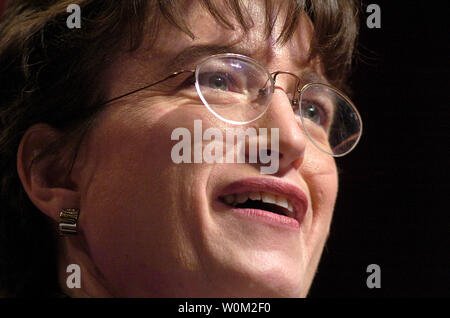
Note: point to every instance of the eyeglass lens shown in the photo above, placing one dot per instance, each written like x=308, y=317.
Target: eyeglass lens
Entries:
x=234, y=88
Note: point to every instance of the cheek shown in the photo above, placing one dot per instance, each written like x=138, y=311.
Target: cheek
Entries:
x=126, y=161
x=133, y=189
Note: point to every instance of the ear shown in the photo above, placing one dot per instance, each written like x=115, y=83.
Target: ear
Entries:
x=46, y=181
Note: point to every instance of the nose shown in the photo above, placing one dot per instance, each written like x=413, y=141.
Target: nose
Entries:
x=292, y=137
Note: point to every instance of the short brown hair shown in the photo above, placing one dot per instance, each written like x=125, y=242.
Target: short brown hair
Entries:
x=47, y=71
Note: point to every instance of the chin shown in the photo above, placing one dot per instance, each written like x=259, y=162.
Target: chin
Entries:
x=273, y=281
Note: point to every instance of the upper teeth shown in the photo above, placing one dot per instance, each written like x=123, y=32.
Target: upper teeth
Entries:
x=235, y=199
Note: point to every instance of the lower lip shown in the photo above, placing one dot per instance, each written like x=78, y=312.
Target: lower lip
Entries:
x=267, y=218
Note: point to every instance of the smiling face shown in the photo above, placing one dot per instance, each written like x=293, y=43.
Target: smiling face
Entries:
x=152, y=227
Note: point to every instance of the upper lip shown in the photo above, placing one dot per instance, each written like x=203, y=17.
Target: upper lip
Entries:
x=293, y=193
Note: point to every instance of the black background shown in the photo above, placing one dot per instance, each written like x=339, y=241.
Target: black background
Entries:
x=392, y=206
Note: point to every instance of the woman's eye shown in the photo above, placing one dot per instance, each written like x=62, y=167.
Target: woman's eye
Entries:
x=222, y=81
x=218, y=82
x=314, y=113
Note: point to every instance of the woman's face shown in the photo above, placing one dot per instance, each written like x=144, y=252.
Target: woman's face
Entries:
x=152, y=227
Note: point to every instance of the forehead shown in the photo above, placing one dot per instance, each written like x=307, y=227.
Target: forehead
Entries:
x=175, y=48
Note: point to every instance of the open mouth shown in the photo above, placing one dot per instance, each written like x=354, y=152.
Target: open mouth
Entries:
x=265, y=201
x=270, y=199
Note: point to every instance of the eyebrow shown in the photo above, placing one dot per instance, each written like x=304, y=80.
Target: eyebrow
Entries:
x=192, y=53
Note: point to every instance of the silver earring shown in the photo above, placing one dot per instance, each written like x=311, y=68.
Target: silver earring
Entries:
x=68, y=219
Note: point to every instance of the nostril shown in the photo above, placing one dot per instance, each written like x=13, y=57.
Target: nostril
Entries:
x=268, y=152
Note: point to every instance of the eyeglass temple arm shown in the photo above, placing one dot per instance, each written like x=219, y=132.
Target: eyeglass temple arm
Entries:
x=174, y=74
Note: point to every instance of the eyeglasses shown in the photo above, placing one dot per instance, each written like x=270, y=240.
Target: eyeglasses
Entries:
x=238, y=90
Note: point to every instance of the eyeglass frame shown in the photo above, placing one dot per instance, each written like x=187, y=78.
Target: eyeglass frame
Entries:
x=272, y=77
